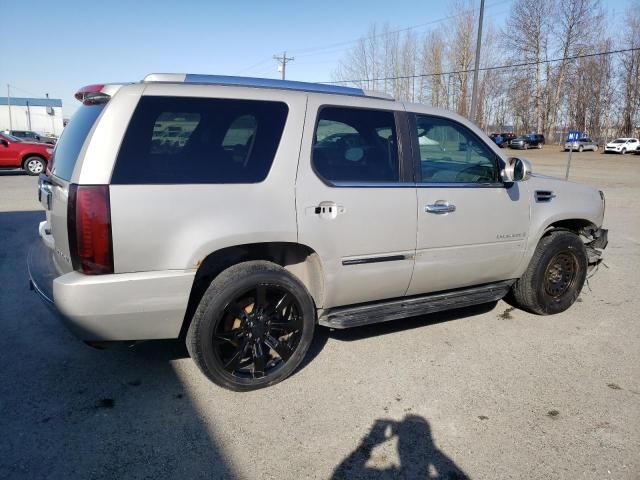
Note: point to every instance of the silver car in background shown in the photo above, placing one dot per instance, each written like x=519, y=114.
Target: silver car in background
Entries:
x=581, y=145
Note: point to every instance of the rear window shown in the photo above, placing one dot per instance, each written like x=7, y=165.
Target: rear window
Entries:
x=200, y=140
x=72, y=139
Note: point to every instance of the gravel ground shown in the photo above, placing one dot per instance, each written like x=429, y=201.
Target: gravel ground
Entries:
x=487, y=392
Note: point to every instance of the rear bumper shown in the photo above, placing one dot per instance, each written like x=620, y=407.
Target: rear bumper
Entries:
x=124, y=306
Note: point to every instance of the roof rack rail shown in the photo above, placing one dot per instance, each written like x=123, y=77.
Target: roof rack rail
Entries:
x=262, y=83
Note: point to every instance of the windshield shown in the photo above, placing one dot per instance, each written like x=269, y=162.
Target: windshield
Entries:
x=72, y=139
x=11, y=138
x=618, y=140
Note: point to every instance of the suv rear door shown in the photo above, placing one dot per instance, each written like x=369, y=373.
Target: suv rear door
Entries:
x=356, y=199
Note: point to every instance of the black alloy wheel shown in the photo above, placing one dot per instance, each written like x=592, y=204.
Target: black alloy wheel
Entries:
x=253, y=326
x=259, y=331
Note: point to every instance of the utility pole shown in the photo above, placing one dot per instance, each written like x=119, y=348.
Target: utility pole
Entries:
x=474, y=94
x=283, y=60
x=9, y=105
x=28, y=116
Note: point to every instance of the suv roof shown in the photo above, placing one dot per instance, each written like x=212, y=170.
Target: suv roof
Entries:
x=262, y=83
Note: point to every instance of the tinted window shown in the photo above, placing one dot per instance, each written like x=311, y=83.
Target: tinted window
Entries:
x=72, y=139
x=200, y=140
x=450, y=153
x=356, y=145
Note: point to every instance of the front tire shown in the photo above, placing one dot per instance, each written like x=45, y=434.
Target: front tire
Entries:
x=580, y=148
x=253, y=326
x=34, y=165
x=623, y=151
x=555, y=275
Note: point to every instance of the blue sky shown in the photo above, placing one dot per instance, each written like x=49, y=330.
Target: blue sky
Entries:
x=69, y=44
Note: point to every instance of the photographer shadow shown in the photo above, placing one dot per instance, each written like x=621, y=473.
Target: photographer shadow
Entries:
x=418, y=455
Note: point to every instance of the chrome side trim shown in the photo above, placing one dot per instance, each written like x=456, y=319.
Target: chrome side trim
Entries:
x=372, y=184
x=389, y=258
x=414, y=185
x=460, y=185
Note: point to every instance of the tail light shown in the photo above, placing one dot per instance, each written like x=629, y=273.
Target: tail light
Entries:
x=89, y=227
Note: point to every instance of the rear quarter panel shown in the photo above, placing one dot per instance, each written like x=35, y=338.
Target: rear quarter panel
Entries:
x=166, y=227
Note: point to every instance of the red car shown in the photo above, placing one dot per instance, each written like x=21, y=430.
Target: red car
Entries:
x=32, y=157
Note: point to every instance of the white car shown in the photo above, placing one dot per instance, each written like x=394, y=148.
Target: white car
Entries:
x=623, y=145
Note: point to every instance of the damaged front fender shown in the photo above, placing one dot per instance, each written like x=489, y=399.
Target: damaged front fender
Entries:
x=597, y=241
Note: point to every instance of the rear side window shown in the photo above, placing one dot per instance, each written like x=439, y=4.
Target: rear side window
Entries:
x=356, y=145
x=200, y=140
x=72, y=139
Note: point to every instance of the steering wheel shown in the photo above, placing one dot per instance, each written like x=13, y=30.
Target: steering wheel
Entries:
x=477, y=170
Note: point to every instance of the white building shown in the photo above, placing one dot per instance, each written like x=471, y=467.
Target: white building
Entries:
x=43, y=115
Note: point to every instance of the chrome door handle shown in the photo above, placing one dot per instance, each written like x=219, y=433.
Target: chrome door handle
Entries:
x=440, y=207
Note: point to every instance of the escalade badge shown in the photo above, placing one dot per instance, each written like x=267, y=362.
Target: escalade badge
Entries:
x=505, y=236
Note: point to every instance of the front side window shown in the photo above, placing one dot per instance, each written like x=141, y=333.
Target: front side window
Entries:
x=451, y=153
x=356, y=145
x=182, y=140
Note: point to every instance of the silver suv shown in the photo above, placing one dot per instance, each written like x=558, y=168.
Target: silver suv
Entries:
x=240, y=213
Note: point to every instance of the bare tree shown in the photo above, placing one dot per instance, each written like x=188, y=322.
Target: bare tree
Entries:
x=631, y=71
x=527, y=35
x=597, y=94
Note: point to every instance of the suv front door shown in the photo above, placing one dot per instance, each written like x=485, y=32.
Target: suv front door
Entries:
x=355, y=201
x=472, y=227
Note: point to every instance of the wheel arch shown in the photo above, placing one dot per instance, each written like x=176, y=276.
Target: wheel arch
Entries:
x=300, y=260
x=576, y=225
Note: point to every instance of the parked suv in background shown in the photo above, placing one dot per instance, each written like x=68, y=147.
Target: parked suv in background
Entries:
x=283, y=205
x=532, y=140
x=31, y=157
x=502, y=139
x=581, y=145
x=29, y=136
x=622, y=146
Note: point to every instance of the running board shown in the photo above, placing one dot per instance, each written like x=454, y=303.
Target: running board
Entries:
x=365, y=314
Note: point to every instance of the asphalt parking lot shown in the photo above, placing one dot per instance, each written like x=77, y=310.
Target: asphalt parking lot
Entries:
x=487, y=392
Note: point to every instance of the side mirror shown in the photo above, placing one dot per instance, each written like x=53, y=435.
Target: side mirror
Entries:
x=4, y=142
x=517, y=170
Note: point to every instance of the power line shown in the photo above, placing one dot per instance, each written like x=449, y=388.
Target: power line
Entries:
x=303, y=52
x=255, y=65
x=498, y=67
x=24, y=91
x=333, y=48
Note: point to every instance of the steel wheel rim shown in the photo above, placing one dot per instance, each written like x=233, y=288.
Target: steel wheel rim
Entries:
x=35, y=166
x=258, y=332
x=561, y=274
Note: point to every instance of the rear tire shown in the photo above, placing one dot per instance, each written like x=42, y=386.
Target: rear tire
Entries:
x=34, y=165
x=580, y=148
x=253, y=326
x=555, y=275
